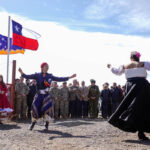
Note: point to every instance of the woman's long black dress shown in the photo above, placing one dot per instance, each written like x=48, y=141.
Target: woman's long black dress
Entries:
x=133, y=114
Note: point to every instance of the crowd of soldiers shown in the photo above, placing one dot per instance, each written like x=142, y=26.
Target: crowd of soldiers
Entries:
x=70, y=101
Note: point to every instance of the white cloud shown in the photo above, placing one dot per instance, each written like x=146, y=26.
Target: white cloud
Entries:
x=80, y=24
x=101, y=9
x=132, y=13
x=69, y=51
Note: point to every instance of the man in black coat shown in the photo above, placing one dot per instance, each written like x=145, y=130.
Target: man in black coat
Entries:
x=106, y=101
x=32, y=92
x=116, y=97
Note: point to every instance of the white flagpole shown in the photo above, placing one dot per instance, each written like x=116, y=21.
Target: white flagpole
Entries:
x=8, y=50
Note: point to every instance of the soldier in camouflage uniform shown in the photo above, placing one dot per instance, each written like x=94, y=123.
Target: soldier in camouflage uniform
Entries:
x=55, y=93
x=21, y=90
x=93, y=96
x=64, y=103
x=75, y=100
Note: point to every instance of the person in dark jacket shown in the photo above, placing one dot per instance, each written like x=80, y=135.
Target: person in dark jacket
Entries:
x=106, y=101
x=116, y=97
x=31, y=94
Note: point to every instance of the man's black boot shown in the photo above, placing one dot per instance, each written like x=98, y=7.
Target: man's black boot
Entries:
x=46, y=125
x=32, y=125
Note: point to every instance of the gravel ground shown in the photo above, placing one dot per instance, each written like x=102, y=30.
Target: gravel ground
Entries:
x=72, y=134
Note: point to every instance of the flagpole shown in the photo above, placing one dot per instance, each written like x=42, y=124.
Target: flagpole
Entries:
x=8, y=50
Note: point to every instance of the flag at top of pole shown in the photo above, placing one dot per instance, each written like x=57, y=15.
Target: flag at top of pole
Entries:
x=17, y=43
x=20, y=40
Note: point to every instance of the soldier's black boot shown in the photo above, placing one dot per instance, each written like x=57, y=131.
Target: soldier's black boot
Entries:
x=46, y=125
x=32, y=125
x=142, y=136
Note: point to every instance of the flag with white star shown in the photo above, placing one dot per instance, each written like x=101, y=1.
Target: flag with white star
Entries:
x=21, y=40
x=4, y=46
x=17, y=28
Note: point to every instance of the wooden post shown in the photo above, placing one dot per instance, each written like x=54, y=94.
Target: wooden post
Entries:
x=13, y=84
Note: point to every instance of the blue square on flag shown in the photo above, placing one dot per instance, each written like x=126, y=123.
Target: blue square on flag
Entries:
x=17, y=28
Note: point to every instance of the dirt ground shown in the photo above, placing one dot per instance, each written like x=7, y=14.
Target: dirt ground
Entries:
x=72, y=134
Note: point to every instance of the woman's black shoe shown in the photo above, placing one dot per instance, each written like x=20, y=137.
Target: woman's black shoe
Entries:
x=142, y=136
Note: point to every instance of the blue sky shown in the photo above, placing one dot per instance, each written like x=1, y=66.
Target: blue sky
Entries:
x=128, y=17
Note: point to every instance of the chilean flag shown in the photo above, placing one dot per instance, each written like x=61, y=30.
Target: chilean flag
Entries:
x=22, y=41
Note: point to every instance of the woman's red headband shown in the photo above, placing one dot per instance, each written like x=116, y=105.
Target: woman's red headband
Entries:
x=43, y=64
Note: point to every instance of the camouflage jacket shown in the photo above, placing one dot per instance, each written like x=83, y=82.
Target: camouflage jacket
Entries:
x=74, y=93
x=21, y=88
x=55, y=93
x=64, y=93
x=94, y=92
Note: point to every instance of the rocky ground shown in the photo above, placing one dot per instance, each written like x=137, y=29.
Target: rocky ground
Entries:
x=72, y=134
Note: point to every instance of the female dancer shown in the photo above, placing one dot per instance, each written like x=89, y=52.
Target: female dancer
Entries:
x=42, y=105
x=133, y=114
x=5, y=108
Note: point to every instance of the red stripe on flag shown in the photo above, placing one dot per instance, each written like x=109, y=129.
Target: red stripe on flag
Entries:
x=25, y=42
